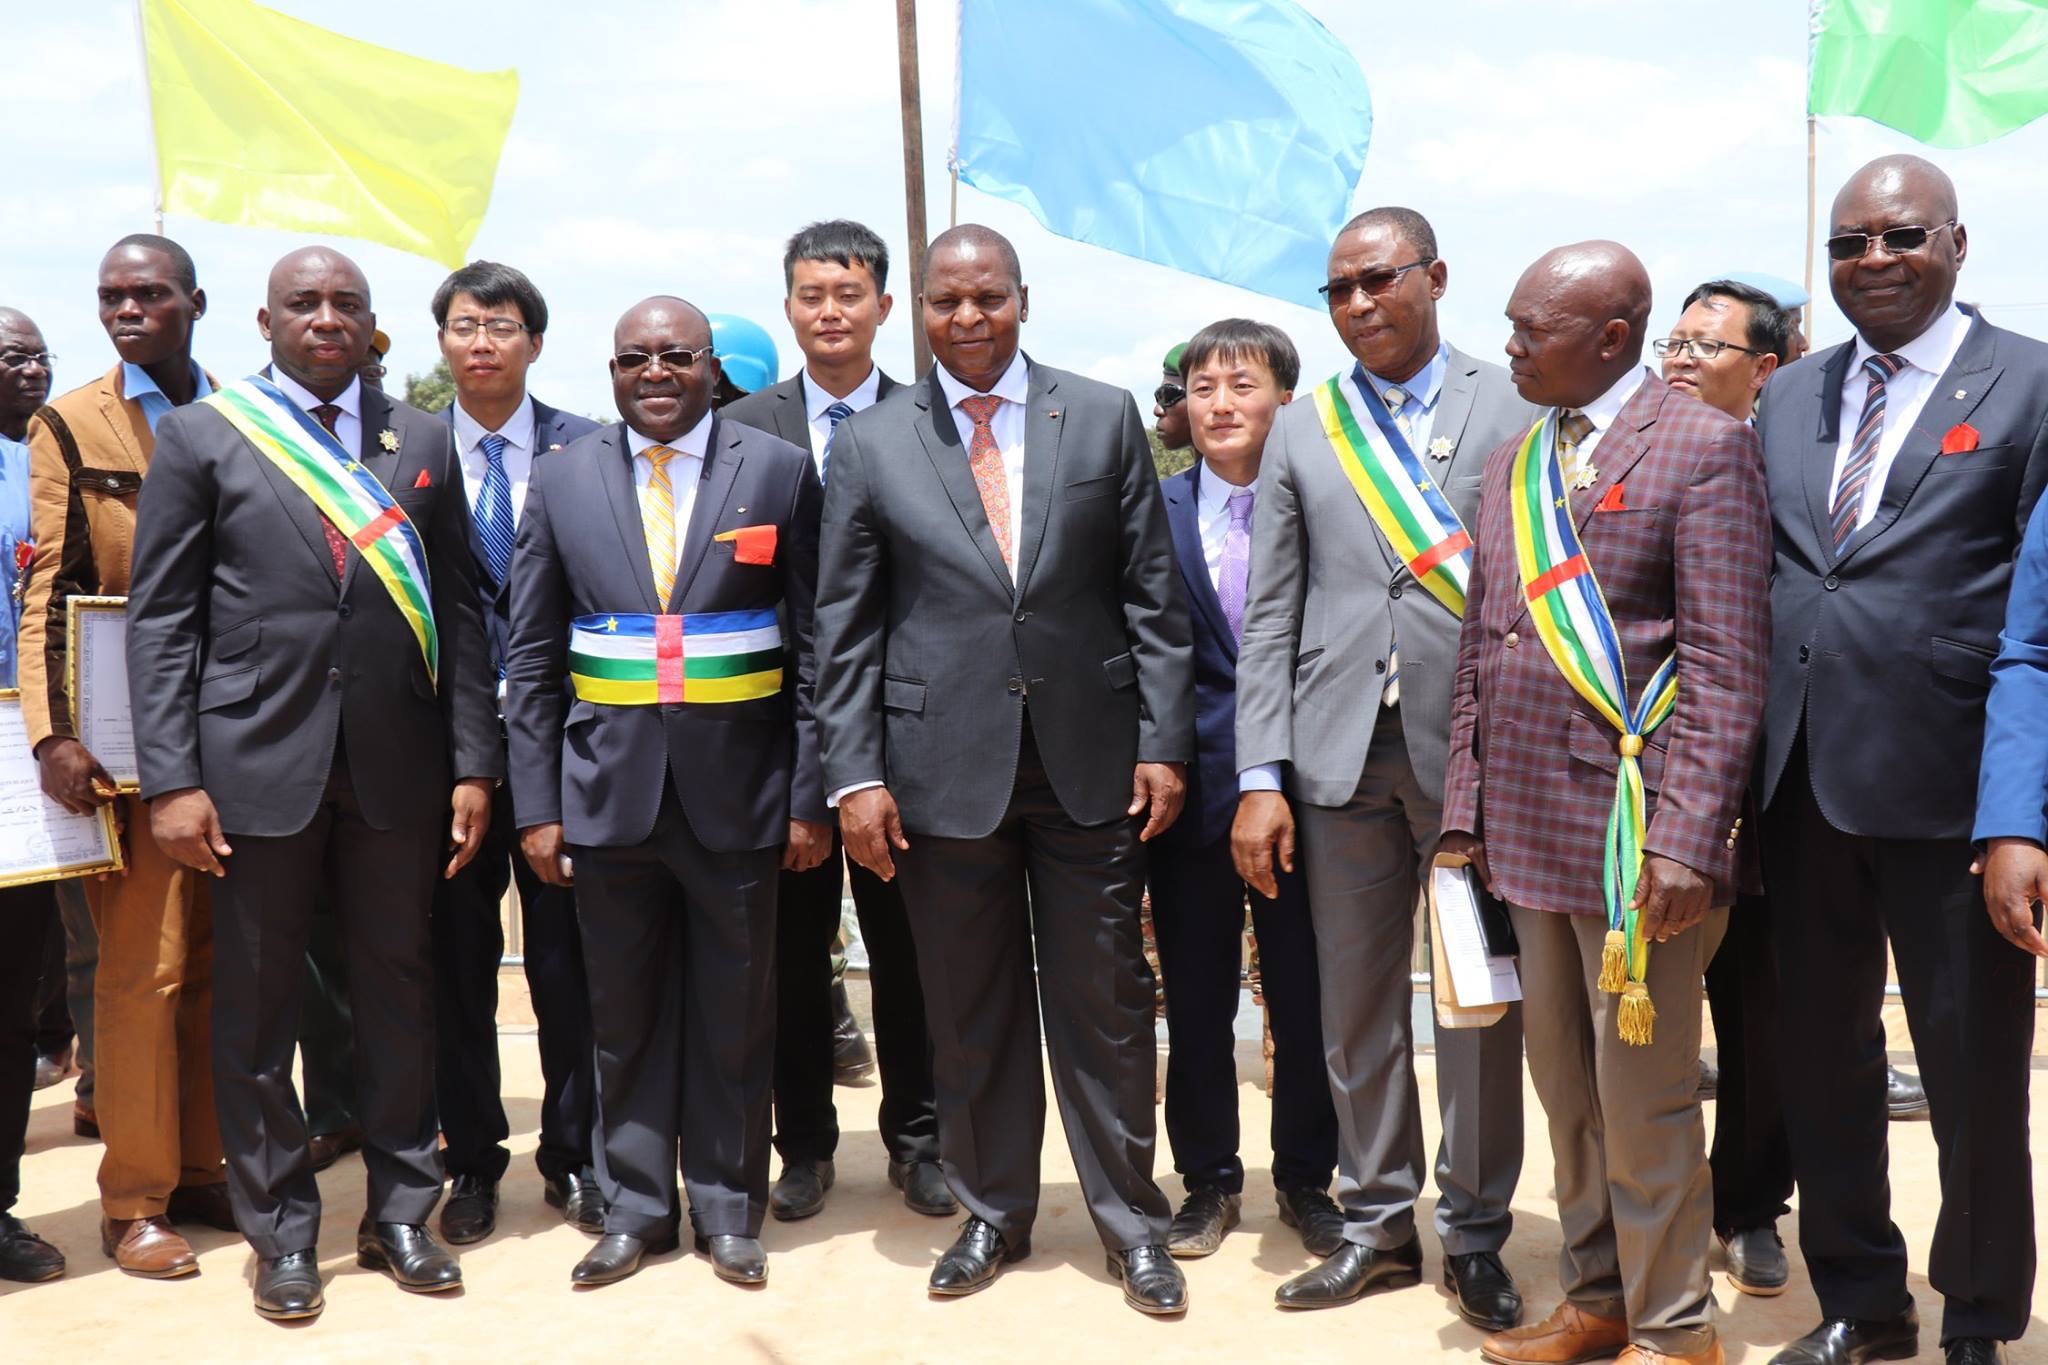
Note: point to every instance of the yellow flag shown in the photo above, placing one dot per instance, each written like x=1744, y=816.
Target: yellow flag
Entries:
x=263, y=120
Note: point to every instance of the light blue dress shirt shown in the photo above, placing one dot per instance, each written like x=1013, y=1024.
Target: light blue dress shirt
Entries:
x=136, y=384
x=14, y=531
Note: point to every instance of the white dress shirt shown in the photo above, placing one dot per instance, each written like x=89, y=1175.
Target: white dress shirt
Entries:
x=1927, y=357
x=1603, y=410
x=518, y=432
x=816, y=400
x=348, y=428
x=1212, y=517
x=685, y=469
x=1007, y=426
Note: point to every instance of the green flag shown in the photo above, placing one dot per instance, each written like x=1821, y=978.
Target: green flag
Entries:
x=1952, y=73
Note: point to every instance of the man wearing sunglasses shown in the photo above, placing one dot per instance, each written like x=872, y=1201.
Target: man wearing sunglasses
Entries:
x=1343, y=723
x=1169, y=403
x=664, y=764
x=1903, y=466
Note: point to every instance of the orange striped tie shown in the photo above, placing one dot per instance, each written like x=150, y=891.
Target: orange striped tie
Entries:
x=986, y=461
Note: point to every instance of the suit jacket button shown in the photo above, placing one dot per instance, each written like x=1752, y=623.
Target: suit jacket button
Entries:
x=1379, y=665
x=1511, y=640
x=345, y=611
x=1394, y=591
x=1804, y=653
x=1831, y=582
x=1016, y=684
x=334, y=676
x=1020, y=618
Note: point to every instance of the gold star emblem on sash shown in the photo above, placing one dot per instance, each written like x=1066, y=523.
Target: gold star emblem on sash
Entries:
x=1560, y=504
x=353, y=467
x=1423, y=485
x=611, y=623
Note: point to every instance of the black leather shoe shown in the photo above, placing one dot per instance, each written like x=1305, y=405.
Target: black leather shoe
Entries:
x=618, y=1254
x=1756, y=1261
x=800, y=1192
x=1317, y=1215
x=1348, y=1274
x=1152, y=1282
x=1484, y=1291
x=471, y=1212
x=974, y=1260
x=1851, y=1341
x=288, y=1287
x=853, y=1060
x=1205, y=1215
x=739, y=1260
x=24, y=1257
x=578, y=1197
x=409, y=1254
x=1904, y=1096
x=1974, y=1351
x=924, y=1188
x=52, y=1067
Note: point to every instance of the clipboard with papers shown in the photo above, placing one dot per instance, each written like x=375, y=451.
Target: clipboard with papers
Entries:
x=1471, y=946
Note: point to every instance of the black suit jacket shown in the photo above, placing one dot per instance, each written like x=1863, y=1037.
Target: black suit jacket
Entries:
x=1882, y=653
x=1212, y=777
x=740, y=769
x=246, y=657
x=779, y=409
x=927, y=651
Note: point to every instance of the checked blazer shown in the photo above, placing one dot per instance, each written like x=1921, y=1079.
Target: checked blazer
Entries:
x=1678, y=532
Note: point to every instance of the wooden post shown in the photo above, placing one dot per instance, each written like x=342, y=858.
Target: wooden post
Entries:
x=913, y=168
x=1809, y=232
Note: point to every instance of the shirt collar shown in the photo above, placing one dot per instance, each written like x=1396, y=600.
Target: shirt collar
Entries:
x=517, y=431
x=695, y=441
x=864, y=394
x=1014, y=386
x=1212, y=490
x=1424, y=385
x=1931, y=351
x=135, y=382
x=349, y=400
x=1603, y=410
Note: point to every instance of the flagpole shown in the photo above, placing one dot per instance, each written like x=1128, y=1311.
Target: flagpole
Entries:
x=156, y=169
x=913, y=162
x=1809, y=228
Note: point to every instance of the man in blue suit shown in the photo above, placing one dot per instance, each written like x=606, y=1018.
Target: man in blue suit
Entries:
x=1238, y=375
x=492, y=321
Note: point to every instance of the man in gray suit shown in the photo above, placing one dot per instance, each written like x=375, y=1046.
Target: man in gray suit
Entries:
x=1005, y=685
x=1344, y=686
x=658, y=706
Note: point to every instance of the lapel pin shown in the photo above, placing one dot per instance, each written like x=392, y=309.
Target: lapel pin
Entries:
x=740, y=511
x=1054, y=414
x=1960, y=394
x=389, y=440
x=1440, y=448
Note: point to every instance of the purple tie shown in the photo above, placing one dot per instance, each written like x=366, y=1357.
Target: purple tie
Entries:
x=1237, y=561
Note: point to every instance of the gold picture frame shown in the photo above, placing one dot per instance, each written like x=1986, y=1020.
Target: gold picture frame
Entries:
x=40, y=841
x=104, y=724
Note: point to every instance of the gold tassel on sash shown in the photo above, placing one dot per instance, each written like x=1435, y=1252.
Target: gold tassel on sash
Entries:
x=1636, y=1016
x=1613, y=962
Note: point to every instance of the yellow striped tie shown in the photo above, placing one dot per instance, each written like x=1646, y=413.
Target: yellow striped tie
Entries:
x=658, y=521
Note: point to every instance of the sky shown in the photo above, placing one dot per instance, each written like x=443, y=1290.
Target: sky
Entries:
x=671, y=146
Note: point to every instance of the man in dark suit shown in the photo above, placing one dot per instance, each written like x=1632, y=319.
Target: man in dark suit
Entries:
x=1659, y=498
x=1239, y=375
x=1903, y=467
x=663, y=760
x=1004, y=687
x=312, y=700
x=836, y=274
x=492, y=323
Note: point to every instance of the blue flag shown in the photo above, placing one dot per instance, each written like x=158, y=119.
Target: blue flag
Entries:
x=1224, y=138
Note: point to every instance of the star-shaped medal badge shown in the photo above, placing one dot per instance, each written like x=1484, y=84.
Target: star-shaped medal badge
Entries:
x=1585, y=478
x=389, y=440
x=1440, y=448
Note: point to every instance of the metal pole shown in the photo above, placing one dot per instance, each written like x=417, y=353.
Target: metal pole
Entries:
x=1809, y=231
x=913, y=162
x=156, y=178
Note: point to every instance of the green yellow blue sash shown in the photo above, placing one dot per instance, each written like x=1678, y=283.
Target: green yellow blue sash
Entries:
x=634, y=659
x=1577, y=629
x=1398, y=493
x=347, y=494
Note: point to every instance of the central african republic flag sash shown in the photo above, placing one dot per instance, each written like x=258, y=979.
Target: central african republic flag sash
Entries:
x=1398, y=493
x=1578, y=631
x=347, y=494
x=633, y=659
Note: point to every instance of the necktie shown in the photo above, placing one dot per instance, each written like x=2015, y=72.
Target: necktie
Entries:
x=658, y=520
x=1573, y=427
x=1397, y=399
x=337, y=544
x=835, y=414
x=1235, y=568
x=986, y=462
x=1847, y=509
x=494, y=508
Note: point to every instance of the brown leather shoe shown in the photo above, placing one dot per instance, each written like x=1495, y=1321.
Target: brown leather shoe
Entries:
x=328, y=1148
x=207, y=1204
x=1643, y=1355
x=149, y=1247
x=84, y=1122
x=1567, y=1336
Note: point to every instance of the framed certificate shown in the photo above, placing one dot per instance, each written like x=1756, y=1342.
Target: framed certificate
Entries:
x=40, y=841
x=96, y=680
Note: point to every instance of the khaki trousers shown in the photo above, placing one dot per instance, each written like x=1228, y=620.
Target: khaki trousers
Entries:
x=1635, y=1200
x=153, y=1004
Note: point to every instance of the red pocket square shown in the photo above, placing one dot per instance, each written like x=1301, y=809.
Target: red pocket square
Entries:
x=1611, y=502
x=423, y=481
x=1961, y=437
x=751, y=544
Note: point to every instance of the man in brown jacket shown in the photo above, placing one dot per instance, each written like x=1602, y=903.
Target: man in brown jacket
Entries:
x=89, y=451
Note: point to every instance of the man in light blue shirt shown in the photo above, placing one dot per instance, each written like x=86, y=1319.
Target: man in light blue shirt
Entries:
x=24, y=387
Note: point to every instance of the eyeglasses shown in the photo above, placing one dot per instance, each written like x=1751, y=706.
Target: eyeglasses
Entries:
x=21, y=360
x=675, y=358
x=1699, y=348
x=1167, y=395
x=1378, y=283
x=498, y=329
x=1898, y=241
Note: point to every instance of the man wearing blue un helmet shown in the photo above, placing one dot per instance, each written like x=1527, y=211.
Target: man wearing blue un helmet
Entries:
x=746, y=357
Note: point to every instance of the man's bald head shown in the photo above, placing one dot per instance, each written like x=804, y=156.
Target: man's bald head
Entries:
x=14, y=322
x=24, y=374
x=1579, y=317
x=295, y=266
x=317, y=319
x=663, y=375
x=1902, y=173
x=1894, y=295
x=664, y=308
x=973, y=243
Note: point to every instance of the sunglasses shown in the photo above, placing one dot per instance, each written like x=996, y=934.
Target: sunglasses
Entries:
x=1378, y=283
x=676, y=358
x=1898, y=241
x=1167, y=395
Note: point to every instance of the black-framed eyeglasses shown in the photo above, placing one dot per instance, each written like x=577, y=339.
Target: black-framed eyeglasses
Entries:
x=1898, y=241
x=675, y=358
x=1699, y=348
x=497, y=329
x=21, y=360
x=1169, y=394
x=1377, y=283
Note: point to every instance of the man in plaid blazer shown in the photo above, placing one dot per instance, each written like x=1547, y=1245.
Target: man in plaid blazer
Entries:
x=1668, y=500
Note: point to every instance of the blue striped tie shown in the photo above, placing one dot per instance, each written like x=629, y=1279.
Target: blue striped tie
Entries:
x=1848, y=506
x=494, y=508
x=835, y=414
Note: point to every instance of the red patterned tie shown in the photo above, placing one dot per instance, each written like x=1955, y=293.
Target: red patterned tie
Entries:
x=328, y=414
x=986, y=462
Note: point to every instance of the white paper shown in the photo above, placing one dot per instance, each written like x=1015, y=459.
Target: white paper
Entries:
x=106, y=725
x=36, y=834
x=1478, y=977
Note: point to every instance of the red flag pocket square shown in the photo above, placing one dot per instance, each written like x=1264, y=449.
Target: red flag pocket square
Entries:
x=1961, y=437
x=423, y=481
x=1611, y=502
x=750, y=544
